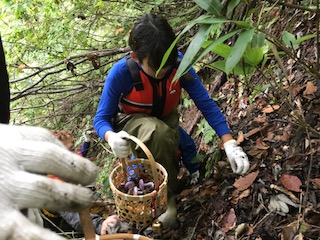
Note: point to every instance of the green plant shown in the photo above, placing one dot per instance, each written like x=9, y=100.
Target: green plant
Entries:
x=103, y=176
x=291, y=41
x=186, y=102
x=212, y=160
x=207, y=131
x=242, y=58
x=209, y=137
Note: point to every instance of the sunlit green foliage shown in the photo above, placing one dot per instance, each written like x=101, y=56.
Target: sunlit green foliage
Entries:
x=41, y=37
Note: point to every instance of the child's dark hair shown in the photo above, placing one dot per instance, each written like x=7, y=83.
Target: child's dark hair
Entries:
x=150, y=38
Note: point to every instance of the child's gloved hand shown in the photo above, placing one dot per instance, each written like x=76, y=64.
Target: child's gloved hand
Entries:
x=28, y=154
x=237, y=157
x=119, y=144
x=87, y=135
x=194, y=177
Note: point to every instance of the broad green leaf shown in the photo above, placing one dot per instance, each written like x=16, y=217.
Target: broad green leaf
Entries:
x=209, y=19
x=258, y=40
x=304, y=38
x=193, y=48
x=223, y=50
x=239, y=69
x=205, y=52
x=253, y=56
x=203, y=19
x=232, y=5
x=212, y=6
x=238, y=49
x=213, y=44
x=218, y=65
x=243, y=24
x=289, y=39
x=187, y=28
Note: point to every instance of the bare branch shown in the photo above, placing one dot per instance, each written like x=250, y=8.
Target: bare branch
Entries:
x=86, y=56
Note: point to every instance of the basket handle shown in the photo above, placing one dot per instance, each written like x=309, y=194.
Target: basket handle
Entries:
x=149, y=156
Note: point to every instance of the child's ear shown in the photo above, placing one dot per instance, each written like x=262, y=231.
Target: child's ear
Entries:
x=134, y=56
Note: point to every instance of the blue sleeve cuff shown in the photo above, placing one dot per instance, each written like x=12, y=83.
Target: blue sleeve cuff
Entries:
x=222, y=129
x=101, y=131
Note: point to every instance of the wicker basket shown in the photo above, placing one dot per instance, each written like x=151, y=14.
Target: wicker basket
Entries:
x=140, y=210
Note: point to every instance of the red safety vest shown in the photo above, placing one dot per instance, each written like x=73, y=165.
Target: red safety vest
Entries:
x=151, y=96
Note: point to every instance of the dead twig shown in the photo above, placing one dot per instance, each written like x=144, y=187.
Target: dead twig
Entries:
x=284, y=3
x=285, y=191
x=195, y=227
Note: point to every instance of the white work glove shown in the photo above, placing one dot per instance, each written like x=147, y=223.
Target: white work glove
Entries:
x=119, y=144
x=87, y=136
x=236, y=156
x=194, y=177
x=279, y=204
x=28, y=154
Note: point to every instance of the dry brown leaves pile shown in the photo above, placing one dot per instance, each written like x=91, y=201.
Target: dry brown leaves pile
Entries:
x=279, y=198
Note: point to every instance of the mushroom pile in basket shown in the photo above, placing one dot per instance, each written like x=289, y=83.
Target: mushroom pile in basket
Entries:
x=137, y=187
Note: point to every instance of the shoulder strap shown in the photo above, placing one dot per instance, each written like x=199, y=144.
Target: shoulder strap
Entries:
x=135, y=73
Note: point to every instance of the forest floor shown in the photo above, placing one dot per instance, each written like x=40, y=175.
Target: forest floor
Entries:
x=278, y=127
x=279, y=197
x=284, y=165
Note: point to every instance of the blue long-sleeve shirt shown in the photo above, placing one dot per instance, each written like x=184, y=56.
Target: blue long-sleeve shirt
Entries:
x=119, y=82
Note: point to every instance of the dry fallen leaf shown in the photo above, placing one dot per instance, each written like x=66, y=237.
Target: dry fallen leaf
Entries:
x=237, y=195
x=209, y=191
x=291, y=182
x=260, y=119
x=242, y=136
x=256, y=152
x=244, y=182
x=296, y=88
x=270, y=109
x=290, y=231
x=252, y=132
x=185, y=193
x=260, y=144
x=316, y=181
x=284, y=137
x=244, y=194
x=229, y=221
x=310, y=89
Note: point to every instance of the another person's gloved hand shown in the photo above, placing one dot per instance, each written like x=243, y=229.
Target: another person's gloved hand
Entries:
x=28, y=154
x=279, y=204
x=237, y=157
x=119, y=144
x=194, y=177
x=113, y=224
